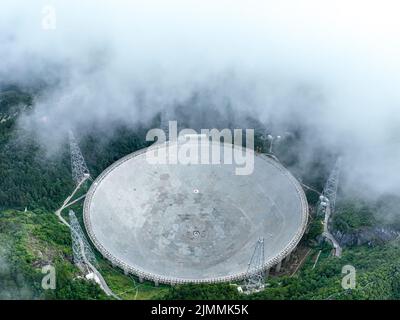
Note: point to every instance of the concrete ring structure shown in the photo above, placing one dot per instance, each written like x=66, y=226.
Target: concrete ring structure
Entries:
x=193, y=223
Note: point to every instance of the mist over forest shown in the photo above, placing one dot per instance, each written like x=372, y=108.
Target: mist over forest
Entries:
x=326, y=77
x=332, y=70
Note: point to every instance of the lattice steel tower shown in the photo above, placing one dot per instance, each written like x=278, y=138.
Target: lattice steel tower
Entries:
x=81, y=250
x=79, y=169
x=255, y=274
x=331, y=187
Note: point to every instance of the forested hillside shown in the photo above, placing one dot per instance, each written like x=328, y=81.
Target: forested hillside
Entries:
x=33, y=184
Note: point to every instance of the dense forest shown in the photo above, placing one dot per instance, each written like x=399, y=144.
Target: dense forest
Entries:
x=33, y=184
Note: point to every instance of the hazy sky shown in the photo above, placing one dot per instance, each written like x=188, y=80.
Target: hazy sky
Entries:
x=333, y=67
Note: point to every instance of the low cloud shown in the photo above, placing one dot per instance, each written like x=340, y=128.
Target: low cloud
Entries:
x=332, y=69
